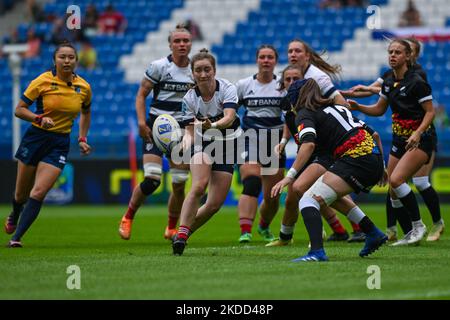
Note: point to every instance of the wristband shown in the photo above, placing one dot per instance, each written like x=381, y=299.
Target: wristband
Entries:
x=214, y=125
x=291, y=173
x=38, y=119
x=283, y=141
x=82, y=139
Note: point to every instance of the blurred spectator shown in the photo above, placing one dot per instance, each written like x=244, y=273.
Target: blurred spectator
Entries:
x=60, y=32
x=441, y=118
x=87, y=56
x=90, y=20
x=6, y=5
x=193, y=28
x=13, y=37
x=112, y=21
x=35, y=11
x=337, y=4
x=411, y=16
x=34, y=44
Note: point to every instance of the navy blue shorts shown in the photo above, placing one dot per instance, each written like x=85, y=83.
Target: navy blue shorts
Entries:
x=259, y=147
x=221, y=162
x=39, y=145
x=150, y=147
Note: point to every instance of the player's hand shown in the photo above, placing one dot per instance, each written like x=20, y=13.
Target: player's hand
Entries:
x=47, y=123
x=413, y=141
x=353, y=105
x=278, y=188
x=206, y=124
x=279, y=148
x=145, y=133
x=384, y=179
x=85, y=149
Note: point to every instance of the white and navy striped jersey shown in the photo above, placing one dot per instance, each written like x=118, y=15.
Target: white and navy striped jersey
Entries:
x=326, y=86
x=170, y=84
x=262, y=103
x=225, y=97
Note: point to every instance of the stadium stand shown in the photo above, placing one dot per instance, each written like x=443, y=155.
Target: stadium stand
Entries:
x=233, y=38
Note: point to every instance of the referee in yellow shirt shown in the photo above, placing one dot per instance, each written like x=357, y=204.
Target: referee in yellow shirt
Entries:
x=60, y=96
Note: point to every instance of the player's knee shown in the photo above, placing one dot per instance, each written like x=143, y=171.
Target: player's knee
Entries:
x=213, y=207
x=149, y=185
x=396, y=181
x=179, y=176
x=252, y=186
x=198, y=190
x=298, y=188
x=421, y=183
x=321, y=192
x=153, y=170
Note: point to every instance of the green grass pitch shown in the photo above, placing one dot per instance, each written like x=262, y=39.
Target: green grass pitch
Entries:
x=214, y=265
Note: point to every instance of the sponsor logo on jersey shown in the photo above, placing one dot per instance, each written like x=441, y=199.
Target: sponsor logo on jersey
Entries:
x=261, y=102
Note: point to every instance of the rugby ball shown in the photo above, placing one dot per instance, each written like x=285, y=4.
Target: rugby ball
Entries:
x=166, y=132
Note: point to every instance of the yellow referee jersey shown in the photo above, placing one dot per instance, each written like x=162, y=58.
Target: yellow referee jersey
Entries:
x=57, y=99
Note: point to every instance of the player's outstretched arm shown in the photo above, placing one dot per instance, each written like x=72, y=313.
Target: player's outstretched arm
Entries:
x=375, y=110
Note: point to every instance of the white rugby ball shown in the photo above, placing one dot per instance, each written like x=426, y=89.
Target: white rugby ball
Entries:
x=166, y=132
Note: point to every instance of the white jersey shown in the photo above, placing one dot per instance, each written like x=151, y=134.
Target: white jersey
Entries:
x=170, y=84
x=262, y=103
x=326, y=86
x=225, y=97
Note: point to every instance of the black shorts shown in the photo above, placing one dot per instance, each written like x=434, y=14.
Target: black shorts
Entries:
x=259, y=147
x=360, y=173
x=428, y=144
x=223, y=153
x=322, y=159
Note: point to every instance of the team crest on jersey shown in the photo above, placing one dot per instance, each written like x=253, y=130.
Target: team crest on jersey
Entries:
x=53, y=86
x=77, y=89
x=148, y=146
x=386, y=88
x=396, y=84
